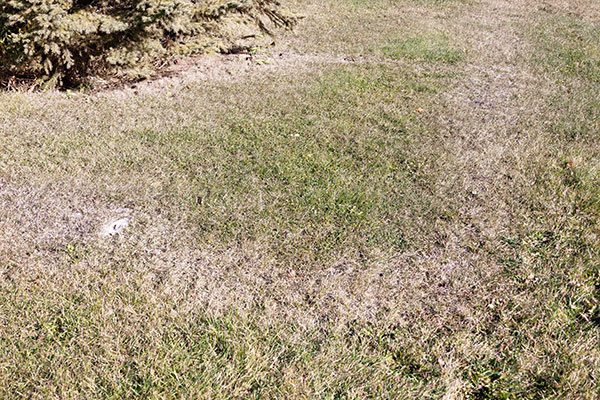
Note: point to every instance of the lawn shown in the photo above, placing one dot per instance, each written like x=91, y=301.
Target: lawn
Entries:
x=398, y=200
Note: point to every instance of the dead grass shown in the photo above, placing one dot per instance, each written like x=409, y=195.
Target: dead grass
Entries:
x=400, y=200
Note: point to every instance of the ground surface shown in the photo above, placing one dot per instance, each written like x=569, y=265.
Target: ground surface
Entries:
x=399, y=200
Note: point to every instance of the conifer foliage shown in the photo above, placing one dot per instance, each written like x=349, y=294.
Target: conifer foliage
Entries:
x=62, y=41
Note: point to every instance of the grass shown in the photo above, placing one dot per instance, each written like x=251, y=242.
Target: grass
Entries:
x=382, y=217
x=572, y=47
x=429, y=47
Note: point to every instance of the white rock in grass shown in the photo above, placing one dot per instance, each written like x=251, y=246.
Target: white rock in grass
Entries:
x=115, y=227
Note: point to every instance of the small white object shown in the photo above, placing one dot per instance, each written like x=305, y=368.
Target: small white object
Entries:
x=115, y=227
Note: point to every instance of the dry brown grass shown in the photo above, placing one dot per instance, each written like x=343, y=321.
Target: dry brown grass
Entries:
x=358, y=215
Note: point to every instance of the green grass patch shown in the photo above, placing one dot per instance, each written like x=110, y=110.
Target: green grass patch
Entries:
x=427, y=47
x=569, y=46
x=339, y=171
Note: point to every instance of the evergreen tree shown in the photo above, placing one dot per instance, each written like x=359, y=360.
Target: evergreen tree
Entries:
x=62, y=41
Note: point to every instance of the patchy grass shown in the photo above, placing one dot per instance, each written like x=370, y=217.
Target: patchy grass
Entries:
x=295, y=176
x=336, y=225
